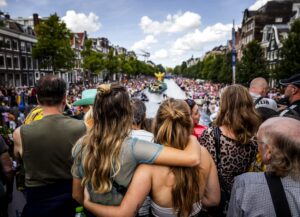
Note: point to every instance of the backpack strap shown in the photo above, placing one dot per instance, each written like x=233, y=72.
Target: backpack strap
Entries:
x=279, y=199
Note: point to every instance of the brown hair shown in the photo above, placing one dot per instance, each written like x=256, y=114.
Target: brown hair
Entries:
x=173, y=125
x=50, y=90
x=112, y=116
x=237, y=113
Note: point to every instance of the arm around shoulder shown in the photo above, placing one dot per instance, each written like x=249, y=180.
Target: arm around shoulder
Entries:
x=139, y=188
x=188, y=157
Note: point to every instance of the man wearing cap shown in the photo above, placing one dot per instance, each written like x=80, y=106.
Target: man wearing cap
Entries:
x=292, y=93
x=87, y=100
x=45, y=148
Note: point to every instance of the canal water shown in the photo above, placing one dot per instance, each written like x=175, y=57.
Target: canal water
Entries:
x=173, y=91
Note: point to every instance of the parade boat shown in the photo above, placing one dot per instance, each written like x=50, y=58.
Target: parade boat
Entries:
x=158, y=86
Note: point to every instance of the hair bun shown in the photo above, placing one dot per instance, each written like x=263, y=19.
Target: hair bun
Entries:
x=104, y=89
x=176, y=115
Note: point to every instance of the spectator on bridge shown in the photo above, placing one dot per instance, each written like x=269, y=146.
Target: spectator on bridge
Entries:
x=258, y=90
x=229, y=140
x=195, y=113
x=279, y=144
x=175, y=191
x=45, y=148
x=106, y=157
x=292, y=93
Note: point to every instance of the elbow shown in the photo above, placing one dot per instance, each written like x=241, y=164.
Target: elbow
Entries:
x=211, y=202
x=195, y=160
x=77, y=197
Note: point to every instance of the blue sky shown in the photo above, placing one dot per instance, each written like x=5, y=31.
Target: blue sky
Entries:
x=171, y=30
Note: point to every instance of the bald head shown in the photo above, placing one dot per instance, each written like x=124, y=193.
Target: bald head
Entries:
x=287, y=127
x=259, y=86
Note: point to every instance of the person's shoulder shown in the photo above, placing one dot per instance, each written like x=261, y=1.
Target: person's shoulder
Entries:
x=250, y=178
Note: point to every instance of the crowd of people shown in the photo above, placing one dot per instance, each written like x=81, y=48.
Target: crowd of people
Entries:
x=94, y=147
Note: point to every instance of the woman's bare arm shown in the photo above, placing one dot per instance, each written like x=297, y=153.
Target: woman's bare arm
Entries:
x=188, y=157
x=139, y=188
x=211, y=196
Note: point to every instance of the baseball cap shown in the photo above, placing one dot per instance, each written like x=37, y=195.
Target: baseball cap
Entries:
x=88, y=98
x=294, y=79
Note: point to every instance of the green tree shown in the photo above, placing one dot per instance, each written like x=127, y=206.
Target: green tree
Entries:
x=92, y=60
x=53, y=47
x=252, y=64
x=112, y=63
x=215, y=69
x=207, y=66
x=225, y=75
x=290, y=63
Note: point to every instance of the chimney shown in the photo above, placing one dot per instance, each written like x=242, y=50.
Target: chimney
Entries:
x=7, y=17
x=36, y=20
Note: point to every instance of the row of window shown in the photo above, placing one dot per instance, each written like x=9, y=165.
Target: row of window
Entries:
x=13, y=44
x=16, y=79
x=12, y=62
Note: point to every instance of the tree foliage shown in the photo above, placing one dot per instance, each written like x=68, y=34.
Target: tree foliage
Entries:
x=53, y=47
x=290, y=63
x=252, y=64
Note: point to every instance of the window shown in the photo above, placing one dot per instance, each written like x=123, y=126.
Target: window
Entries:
x=9, y=62
x=15, y=45
x=28, y=47
x=16, y=62
x=23, y=46
x=278, y=20
x=34, y=64
x=8, y=43
x=29, y=63
x=2, y=62
x=23, y=62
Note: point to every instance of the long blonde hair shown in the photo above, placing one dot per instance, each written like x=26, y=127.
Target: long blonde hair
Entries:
x=237, y=113
x=112, y=116
x=173, y=125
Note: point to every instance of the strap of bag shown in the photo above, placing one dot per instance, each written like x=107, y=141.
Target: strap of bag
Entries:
x=278, y=196
x=217, y=136
x=257, y=100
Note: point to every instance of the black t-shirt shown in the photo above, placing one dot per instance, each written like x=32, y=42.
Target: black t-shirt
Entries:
x=292, y=110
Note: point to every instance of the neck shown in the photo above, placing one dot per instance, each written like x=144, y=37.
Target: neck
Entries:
x=51, y=110
x=136, y=127
x=227, y=132
x=295, y=98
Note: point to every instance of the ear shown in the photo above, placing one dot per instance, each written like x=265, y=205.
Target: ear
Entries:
x=268, y=153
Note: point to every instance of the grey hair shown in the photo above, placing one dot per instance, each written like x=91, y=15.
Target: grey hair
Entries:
x=139, y=111
x=285, y=157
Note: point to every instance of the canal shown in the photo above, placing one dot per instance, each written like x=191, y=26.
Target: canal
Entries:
x=173, y=91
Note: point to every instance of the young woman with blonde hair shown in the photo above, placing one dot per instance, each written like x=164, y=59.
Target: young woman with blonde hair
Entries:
x=175, y=191
x=106, y=157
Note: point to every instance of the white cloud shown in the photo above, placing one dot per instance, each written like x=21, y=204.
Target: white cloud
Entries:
x=191, y=41
x=160, y=54
x=79, y=22
x=176, y=23
x=144, y=44
x=258, y=4
x=3, y=3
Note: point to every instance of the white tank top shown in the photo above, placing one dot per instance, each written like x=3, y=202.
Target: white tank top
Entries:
x=159, y=211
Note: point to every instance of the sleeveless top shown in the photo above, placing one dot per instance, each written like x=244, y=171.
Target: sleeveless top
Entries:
x=159, y=211
x=133, y=152
x=47, y=146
